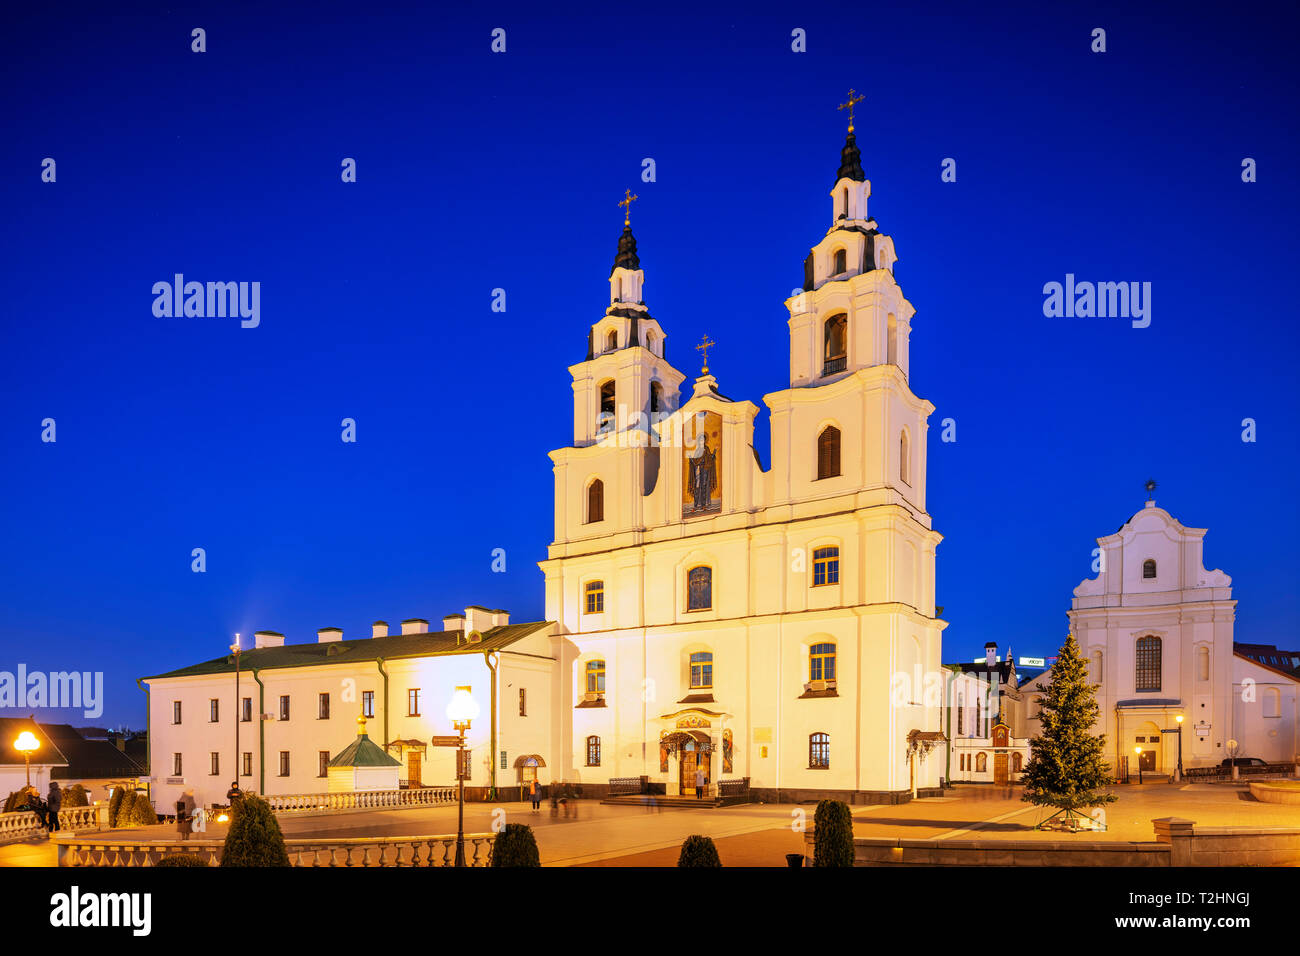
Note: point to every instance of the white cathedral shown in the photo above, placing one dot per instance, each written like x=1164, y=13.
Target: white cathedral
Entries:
x=718, y=616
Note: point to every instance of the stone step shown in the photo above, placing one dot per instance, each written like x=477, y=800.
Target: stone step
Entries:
x=643, y=800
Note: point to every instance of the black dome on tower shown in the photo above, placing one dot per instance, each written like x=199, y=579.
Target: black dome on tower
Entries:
x=851, y=161
x=627, y=257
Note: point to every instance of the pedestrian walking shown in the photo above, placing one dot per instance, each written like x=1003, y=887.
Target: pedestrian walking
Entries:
x=699, y=783
x=53, y=804
x=535, y=793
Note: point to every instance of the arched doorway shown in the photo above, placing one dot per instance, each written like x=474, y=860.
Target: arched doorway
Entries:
x=1149, y=739
x=695, y=757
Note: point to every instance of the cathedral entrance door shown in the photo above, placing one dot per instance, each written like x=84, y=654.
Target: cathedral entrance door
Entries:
x=686, y=784
x=1000, y=769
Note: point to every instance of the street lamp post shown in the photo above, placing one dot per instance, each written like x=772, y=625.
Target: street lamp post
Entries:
x=461, y=710
x=26, y=744
x=1179, y=718
x=234, y=648
x=1138, y=751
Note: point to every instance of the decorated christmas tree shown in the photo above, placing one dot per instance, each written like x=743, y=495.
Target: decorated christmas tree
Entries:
x=1065, y=768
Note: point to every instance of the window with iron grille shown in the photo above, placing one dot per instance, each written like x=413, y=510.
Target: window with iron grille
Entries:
x=1148, y=663
x=819, y=751
x=593, y=751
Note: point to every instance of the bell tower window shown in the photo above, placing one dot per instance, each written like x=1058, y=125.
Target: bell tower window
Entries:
x=606, y=420
x=656, y=397
x=596, y=501
x=611, y=340
x=841, y=262
x=836, y=344
x=903, y=463
x=828, y=452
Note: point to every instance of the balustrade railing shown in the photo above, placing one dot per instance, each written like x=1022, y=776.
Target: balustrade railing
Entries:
x=363, y=799
x=26, y=823
x=359, y=851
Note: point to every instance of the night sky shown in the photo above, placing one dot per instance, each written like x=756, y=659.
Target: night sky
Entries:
x=478, y=171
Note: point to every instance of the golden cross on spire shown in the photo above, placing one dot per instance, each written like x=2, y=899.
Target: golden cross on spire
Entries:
x=849, y=106
x=706, y=343
x=627, y=202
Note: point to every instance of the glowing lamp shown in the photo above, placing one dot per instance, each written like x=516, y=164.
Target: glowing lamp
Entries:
x=462, y=708
x=25, y=744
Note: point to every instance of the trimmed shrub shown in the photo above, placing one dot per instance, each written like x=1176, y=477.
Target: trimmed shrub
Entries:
x=75, y=796
x=142, y=812
x=11, y=803
x=515, y=845
x=126, y=809
x=832, y=834
x=182, y=859
x=254, y=838
x=699, y=851
x=115, y=804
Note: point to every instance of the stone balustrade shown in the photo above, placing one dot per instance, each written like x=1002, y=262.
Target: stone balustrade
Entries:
x=363, y=799
x=357, y=851
x=25, y=823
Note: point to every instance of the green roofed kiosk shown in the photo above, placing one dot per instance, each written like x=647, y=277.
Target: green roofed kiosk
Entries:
x=363, y=765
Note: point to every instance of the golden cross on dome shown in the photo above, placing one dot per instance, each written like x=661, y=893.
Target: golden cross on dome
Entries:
x=849, y=106
x=706, y=343
x=627, y=202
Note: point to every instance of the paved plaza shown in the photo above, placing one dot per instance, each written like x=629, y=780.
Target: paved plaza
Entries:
x=756, y=834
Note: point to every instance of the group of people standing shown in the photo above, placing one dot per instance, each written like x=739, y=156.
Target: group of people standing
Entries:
x=47, y=810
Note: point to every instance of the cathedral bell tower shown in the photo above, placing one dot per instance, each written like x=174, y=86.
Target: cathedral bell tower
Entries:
x=851, y=313
x=625, y=384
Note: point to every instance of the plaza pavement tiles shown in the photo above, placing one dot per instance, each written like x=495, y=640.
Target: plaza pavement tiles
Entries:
x=755, y=834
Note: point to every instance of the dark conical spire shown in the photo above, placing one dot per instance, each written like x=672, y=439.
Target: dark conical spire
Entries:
x=627, y=257
x=851, y=161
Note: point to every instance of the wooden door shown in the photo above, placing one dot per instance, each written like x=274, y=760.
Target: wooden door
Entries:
x=688, y=771
x=413, y=769
x=1148, y=760
x=1000, y=768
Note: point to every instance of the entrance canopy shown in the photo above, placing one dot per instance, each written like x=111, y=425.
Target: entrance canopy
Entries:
x=677, y=740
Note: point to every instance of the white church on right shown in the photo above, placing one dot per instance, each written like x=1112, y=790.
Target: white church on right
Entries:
x=1157, y=630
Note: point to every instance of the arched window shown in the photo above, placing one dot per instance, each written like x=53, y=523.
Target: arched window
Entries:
x=836, y=341
x=1017, y=762
x=1202, y=663
x=702, y=670
x=826, y=566
x=699, y=588
x=891, y=343
x=1147, y=661
x=611, y=340
x=593, y=751
x=1272, y=702
x=841, y=259
x=1148, y=568
x=844, y=213
x=819, y=751
x=606, y=420
x=595, y=594
x=656, y=397
x=961, y=714
x=821, y=662
x=904, y=468
x=596, y=501
x=981, y=762
x=1095, y=676
x=595, y=676
x=828, y=453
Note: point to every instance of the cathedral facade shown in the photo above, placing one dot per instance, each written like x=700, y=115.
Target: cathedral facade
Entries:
x=719, y=620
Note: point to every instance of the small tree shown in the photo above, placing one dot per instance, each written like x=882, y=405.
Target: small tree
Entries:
x=833, y=834
x=699, y=851
x=75, y=796
x=515, y=845
x=254, y=838
x=182, y=859
x=115, y=804
x=142, y=812
x=126, y=809
x=1065, y=768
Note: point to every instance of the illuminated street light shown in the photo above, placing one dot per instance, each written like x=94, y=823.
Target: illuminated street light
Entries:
x=26, y=744
x=1138, y=751
x=1179, y=718
x=461, y=710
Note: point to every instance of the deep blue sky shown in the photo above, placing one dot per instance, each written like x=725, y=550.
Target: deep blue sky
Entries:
x=479, y=171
